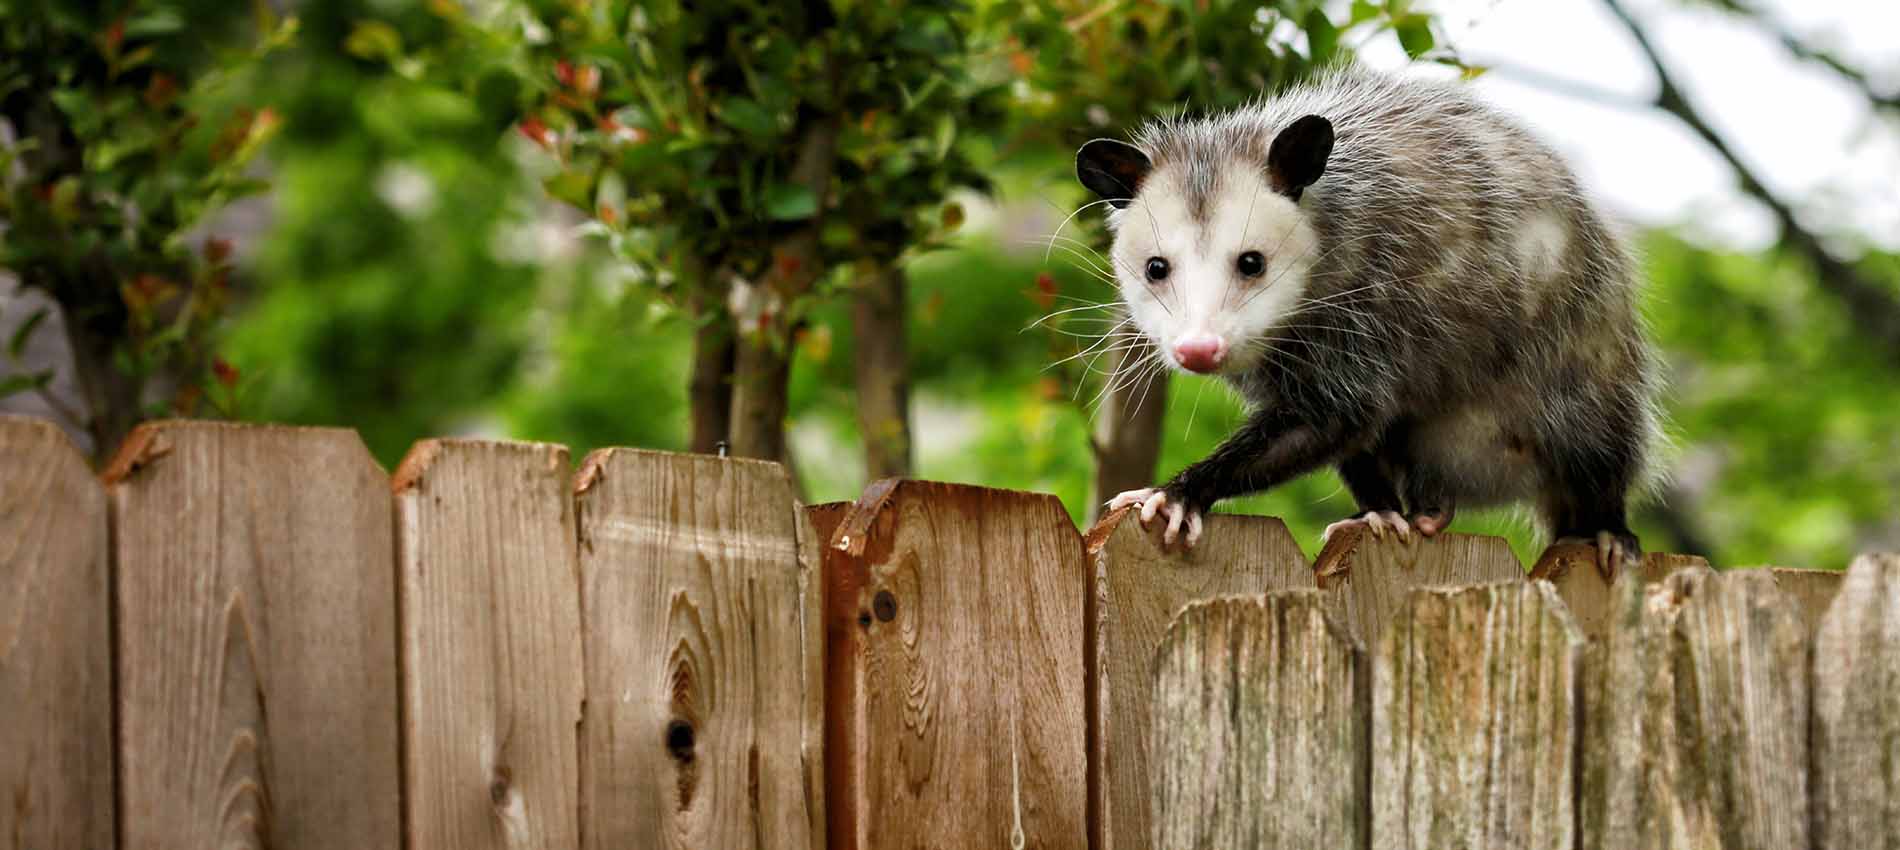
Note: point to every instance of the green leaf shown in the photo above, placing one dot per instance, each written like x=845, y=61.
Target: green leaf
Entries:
x=374, y=40
x=747, y=116
x=12, y=384
x=17, y=345
x=1415, y=34
x=1362, y=11
x=946, y=135
x=1321, y=36
x=790, y=202
x=154, y=23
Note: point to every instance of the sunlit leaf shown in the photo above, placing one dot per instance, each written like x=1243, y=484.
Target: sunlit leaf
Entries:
x=790, y=202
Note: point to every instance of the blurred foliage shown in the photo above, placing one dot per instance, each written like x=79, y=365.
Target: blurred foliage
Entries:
x=481, y=217
x=406, y=247
x=124, y=135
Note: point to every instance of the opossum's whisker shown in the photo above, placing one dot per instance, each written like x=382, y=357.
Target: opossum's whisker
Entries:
x=1071, y=217
x=1067, y=310
x=1227, y=289
x=1189, y=432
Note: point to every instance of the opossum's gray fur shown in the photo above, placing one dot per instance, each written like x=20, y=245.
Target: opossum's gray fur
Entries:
x=1466, y=301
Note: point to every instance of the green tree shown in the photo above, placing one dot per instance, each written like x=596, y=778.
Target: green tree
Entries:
x=125, y=139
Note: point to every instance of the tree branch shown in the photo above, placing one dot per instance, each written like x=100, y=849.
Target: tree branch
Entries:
x=1807, y=53
x=1872, y=306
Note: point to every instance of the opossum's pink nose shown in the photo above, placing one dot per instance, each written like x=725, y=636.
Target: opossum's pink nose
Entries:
x=1200, y=353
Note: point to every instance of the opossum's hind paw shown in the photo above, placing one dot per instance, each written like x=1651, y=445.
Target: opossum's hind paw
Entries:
x=1430, y=522
x=1377, y=522
x=1616, y=550
x=1184, y=524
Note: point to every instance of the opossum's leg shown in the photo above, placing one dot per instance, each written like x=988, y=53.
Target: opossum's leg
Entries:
x=1428, y=499
x=1269, y=449
x=1584, y=502
x=1376, y=494
x=1371, y=487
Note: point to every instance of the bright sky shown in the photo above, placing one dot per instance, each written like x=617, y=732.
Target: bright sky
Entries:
x=1809, y=135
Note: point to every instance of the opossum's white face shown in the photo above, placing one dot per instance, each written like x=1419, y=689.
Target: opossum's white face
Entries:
x=1212, y=247
x=1209, y=285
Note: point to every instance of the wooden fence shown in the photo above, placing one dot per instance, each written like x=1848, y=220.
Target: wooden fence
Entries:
x=253, y=636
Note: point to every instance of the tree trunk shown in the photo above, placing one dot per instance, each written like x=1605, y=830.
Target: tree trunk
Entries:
x=1128, y=430
x=710, y=393
x=761, y=373
x=883, y=366
x=763, y=363
x=112, y=397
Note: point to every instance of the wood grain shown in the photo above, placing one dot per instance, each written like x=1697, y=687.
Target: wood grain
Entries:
x=1368, y=580
x=954, y=635
x=698, y=729
x=1571, y=568
x=1856, y=740
x=55, y=644
x=1696, y=710
x=491, y=645
x=1809, y=591
x=1260, y=730
x=1474, y=718
x=256, y=639
x=1139, y=588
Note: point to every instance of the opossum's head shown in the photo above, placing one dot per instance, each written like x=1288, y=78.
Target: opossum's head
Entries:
x=1212, y=247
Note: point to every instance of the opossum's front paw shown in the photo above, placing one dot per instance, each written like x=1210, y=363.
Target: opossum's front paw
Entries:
x=1155, y=502
x=1377, y=522
x=1615, y=551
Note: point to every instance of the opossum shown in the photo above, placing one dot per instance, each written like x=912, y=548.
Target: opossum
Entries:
x=1402, y=283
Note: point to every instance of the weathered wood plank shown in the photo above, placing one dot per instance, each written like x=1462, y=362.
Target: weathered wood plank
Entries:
x=696, y=730
x=491, y=645
x=1856, y=739
x=1367, y=580
x=1809, y=591
x=1571, y=568
x=1696, y=712
x=55, y=644
x=954, y=653
x=1138, y=589
x=1260, y=731
x=824, y=518
x=256, y=639
x=1474, y=720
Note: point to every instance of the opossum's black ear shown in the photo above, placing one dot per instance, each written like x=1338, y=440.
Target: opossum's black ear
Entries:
x=1112, y=170
x=1298, y=155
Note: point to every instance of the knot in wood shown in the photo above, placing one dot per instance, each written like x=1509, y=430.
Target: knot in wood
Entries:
x=679, y=740
x=885, y=605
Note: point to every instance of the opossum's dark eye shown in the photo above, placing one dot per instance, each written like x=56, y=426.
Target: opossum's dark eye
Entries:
x=1157, y=269
x=1251, y=264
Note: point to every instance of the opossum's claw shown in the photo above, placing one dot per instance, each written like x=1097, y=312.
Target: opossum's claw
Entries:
x=1184, y=524
x=1377, y=522
x=1131, y=497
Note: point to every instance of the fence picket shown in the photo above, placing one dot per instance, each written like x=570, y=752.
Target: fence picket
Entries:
x=1259, y=739
x=1474, y=719
x=55, y=646
x=1138, y=588
x=256, y=639
x=1811, y=592
x=1571, y=569
x=491, y=645
x=1368, y=580
x=698, y=728
x=954, y=636
x=1696, y=710
x=1856, y=782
